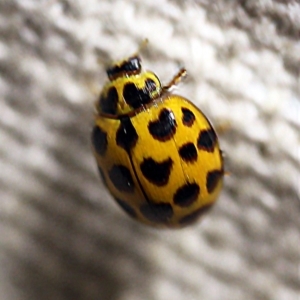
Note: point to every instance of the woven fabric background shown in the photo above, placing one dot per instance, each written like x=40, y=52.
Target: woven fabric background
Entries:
x=61, y=234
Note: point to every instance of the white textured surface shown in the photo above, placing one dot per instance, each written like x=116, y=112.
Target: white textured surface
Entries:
x=61, y=235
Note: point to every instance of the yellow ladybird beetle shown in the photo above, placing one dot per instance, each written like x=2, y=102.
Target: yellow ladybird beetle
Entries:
x=157, y=153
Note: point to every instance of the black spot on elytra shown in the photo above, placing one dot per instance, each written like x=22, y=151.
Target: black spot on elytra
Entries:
x=207, y=140
x=157, y=173
x=136, y=97
x=186, y=194
x=212, y=179
x=188, y=117
x=188, y=152
x=121, y=178
x=126, y=207
x=188, y=219
x=164, y=128
x=99, y=140
x=159, y=213
x=108, y=103
x=126, y=136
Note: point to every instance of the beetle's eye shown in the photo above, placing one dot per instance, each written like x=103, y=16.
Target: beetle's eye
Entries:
x=130, y=66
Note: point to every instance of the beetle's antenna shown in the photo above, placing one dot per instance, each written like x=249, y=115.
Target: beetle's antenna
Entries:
x=143, y=44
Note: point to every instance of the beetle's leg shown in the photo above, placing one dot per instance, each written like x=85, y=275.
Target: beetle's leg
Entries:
x=223, y=127
x=180, y=75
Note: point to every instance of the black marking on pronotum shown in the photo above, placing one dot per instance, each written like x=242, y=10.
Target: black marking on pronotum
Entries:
x=150, y=85
x=164, y=128
x=156, y=172
x=157, y=212
x=207, y=140
x=136, y=97
x=108, y=103
x=99, y=140
x=186, y=194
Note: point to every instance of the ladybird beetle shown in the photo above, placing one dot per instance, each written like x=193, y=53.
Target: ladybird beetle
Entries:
x=156, y=152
